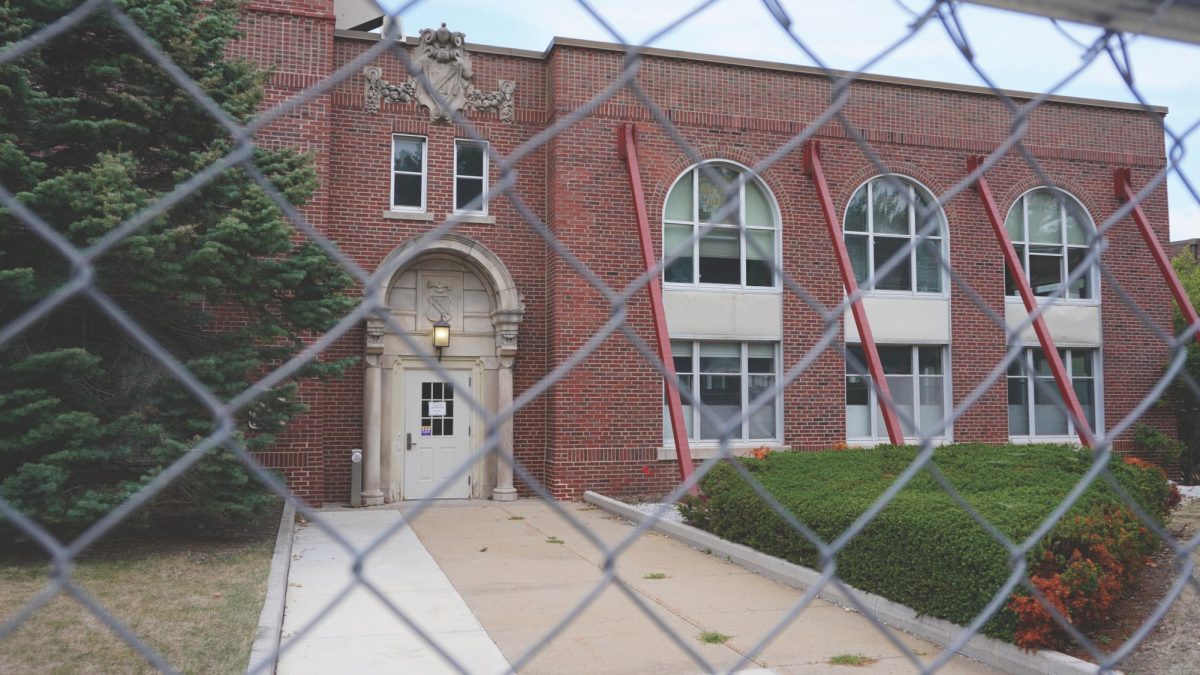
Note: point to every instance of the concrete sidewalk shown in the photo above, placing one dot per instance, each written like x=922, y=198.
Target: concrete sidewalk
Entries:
x=361, y=634
x=521, y=569
x=503, y=560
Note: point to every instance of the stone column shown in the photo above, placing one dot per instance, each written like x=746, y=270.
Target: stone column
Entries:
x=506, y=350
x=373, y=407
x=387, y=434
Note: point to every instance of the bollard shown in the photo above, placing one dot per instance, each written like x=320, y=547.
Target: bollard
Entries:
x=356, y=477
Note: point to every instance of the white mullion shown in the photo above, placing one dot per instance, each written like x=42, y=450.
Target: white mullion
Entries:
x=696, y=228
x=1031, y=390
x=912, y=235
x=871, y=240
x=1070, y=381
x=742, y=227
x=745, y=386
x=916, y=389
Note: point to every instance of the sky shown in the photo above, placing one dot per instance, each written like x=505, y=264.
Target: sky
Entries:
x=1016, y=51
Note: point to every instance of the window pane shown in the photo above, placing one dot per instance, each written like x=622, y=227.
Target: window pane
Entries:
x=858, y=411
x=900, y=278
x=901, y=388
x=406, y=190
x=856, y=360
x=680, y=269
x=856, y=212
x=759, y=266
x=929, y=271
x=925, y=208
x=761, y=358
x=932, y=402
x=406, y=154
x=713, y=195
x=856, y=246
x=929, y=360
x=1040, y=365
x=896, y=360
x=890, y=206
x=720, y=357
x=1085, y=391
x=679, y=204
x=1018, y=407
x=468, y=189
x=1077, y=231
x=1010, y=284
x=470, y=159
x=1048, y=416
x=719, y=257
x=762, y=421
x=1080, y=288
x=1045, y=273
x=1045, y=217
x=758, y=209
x=1015, y=222
x=723, y=394
x=1081, y=363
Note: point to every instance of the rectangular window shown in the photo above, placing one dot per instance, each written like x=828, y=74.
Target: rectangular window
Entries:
x=408, y=173
x=1035, y=407
x=916, y=378
x=726, y=377
x=470, y=176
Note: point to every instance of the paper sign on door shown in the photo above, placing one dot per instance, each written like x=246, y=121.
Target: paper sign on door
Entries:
x=437, y=408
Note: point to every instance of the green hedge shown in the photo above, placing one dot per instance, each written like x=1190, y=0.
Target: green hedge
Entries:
x=922, y=550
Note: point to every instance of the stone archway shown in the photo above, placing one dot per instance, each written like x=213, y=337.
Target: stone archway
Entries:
x=468, y=284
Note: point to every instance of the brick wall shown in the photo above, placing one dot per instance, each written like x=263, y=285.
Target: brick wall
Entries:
x=599, y=426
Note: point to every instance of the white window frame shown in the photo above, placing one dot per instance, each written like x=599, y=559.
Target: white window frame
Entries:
x=424, y=173
x=1093, y=278
x=880, y=435
x=483, y=210
x=943, y=237
x=744, y=374
x=696, y=225
x=1030, y=390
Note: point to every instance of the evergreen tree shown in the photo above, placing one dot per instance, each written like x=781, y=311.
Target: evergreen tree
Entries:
x=91, y=133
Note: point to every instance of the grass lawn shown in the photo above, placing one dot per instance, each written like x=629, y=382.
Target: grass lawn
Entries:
x=197, y=601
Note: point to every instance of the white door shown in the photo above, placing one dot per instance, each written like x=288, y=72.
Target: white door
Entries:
x=435, y=441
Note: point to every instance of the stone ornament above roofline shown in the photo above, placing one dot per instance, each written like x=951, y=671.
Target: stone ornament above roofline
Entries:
x=442, y=56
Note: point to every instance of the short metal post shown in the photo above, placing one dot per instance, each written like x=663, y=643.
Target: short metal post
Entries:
x=356, y=477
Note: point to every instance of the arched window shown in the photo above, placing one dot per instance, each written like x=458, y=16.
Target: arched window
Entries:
x=883, y=215
x=1050, y=230
x=724, y=255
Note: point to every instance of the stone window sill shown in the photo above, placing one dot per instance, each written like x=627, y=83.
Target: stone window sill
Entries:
x=407, y=215
x=476, y=218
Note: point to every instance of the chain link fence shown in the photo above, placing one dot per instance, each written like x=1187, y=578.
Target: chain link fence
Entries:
x=224, y=410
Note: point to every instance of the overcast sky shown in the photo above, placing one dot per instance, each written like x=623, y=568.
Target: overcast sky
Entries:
x=1018, y=52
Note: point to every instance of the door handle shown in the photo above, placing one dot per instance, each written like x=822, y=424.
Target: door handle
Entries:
x=408, y=444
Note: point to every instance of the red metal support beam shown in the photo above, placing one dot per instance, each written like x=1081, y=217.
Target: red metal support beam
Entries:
x=1124, y=193
x=1017, y=269
x=812, y=167
x=627, y=148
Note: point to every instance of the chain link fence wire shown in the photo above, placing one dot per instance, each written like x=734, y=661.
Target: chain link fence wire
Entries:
x=1110, y=47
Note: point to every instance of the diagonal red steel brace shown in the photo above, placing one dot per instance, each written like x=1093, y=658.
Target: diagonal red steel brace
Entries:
x=1124, y=192
x=627, y=148
x=1017, y=270
x=812, y=167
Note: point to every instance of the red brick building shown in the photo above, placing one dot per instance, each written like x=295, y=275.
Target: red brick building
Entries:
x=517, y=310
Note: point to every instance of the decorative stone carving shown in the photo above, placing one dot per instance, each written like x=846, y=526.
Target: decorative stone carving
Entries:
x=375, y=333
x=442, y=56
x=507, y=323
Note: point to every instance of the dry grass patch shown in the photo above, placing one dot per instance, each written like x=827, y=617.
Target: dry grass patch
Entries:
x=197, y=603
x=851, y=660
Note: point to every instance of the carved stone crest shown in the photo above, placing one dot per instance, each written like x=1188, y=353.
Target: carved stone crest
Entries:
x=438, y=304
x=442, y=57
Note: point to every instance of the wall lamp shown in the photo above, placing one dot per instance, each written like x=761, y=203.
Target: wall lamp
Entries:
x=441, y=336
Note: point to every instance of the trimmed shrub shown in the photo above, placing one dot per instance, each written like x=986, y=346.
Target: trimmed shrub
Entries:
x=924, y=550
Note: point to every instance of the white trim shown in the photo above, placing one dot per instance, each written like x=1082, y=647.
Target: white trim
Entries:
x=943, y=237
x=487, y=153
x=424, y=173
x=694, y=223
x=879, y=436
x=1029, y=376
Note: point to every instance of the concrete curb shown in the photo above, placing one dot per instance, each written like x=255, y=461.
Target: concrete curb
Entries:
x=1000, y=655
x=270, y=621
